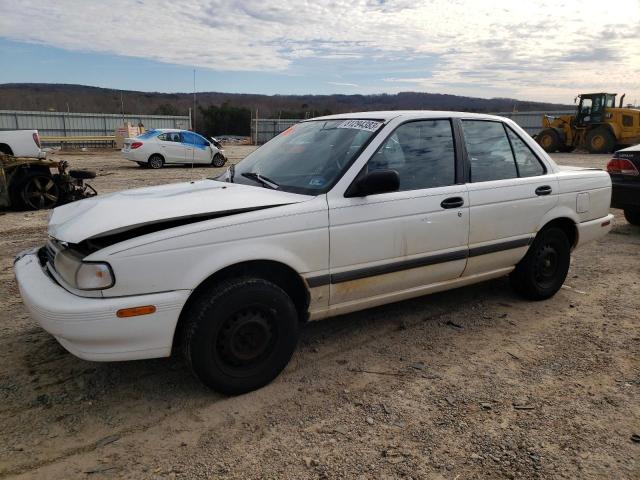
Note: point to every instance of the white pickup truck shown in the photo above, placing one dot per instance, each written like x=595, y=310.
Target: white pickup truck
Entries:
x=21, y=143
x=334, y=215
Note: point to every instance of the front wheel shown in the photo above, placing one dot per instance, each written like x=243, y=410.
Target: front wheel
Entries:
x=549, y=140
x=218, y=160
x=632, y=215
x=542, y=271
x=240, y=334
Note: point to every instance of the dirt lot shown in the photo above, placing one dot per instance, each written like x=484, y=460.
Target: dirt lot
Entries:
x=473, y=383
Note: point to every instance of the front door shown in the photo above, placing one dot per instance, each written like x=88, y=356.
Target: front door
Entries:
x=197, y=148
x=395, y=243
x=509, y=193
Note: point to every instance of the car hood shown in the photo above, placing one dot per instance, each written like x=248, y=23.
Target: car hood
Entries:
x=172, y=204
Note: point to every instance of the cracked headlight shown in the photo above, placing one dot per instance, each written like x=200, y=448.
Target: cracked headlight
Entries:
x=83, y=275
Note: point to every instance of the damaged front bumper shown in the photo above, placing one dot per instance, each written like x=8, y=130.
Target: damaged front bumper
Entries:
x=89, y=327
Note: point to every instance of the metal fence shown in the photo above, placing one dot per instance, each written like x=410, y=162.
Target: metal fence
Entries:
x=65, y=124
x=264, y=129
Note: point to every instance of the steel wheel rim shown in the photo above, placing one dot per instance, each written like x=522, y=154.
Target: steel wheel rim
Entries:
x=244, y=340
x=546, y=265
x=597, y=142
x=41, y=192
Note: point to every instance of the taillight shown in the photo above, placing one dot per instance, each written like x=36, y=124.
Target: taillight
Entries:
x=135, y=145
x=36, y=138
x=621, y=166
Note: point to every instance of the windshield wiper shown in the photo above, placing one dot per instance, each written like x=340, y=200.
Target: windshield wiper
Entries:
x=261, y=179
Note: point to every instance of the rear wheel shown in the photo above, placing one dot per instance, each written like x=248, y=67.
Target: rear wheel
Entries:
x=156, y=161
x=240, y=334
x=632, y=215
x=38, y=191
x=549, y=140
x=600, y=140
x=542, y=271
x=218, y=160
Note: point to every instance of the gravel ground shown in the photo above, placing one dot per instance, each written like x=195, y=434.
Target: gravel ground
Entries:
x=472, y=383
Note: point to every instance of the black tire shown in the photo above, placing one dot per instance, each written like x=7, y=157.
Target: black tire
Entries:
x=240, y=334
x=549, y=140
x=155, y=161
x=218, y=160
x=6, y=149
x=82, y=174
x=632, y=215
x=542, y=271
x=600, y=140
x=37, y=191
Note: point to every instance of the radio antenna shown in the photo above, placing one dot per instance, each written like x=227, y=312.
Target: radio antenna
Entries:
x=193, y=126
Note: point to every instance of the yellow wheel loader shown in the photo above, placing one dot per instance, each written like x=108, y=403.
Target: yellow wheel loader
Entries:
x=598, y=126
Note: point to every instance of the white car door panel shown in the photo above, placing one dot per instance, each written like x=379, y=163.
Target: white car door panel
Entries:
x=391, y=242
x=505, y=213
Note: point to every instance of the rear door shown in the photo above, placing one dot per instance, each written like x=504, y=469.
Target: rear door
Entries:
x=172, y=149
x=510, y=191
x=396, y=243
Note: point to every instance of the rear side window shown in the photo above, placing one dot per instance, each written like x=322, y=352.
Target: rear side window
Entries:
x=421, y=152
x=527, y=161
x=489, y=151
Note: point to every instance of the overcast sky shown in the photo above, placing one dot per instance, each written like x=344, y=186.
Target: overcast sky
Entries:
x=536, y=50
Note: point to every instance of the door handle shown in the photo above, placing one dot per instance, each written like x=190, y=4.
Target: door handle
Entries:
x=453, y=202
x=543, y=190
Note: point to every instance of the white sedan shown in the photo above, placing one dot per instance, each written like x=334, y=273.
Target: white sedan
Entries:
x=160, y=147
x=334, y=215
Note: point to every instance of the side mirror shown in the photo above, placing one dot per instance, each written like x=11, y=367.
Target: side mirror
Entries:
x=374, y=182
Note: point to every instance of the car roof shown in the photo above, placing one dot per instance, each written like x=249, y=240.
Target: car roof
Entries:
x=166, y=130
x=386, y=115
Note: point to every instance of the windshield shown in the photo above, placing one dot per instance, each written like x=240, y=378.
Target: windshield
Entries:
x=307, y=158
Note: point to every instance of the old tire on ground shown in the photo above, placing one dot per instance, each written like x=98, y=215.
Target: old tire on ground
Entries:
x=542, y=271
x=218, y=160
x=632, y=215
x=82, y=174
x=549, y=140
x=156, y=161
x=240, y=334
x=37, y=191
x=600, y=140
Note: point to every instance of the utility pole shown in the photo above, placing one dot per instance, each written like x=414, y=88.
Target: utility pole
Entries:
x=194, y=100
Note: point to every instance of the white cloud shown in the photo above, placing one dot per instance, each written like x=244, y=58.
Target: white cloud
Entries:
x=536, y=49
x=343, y=84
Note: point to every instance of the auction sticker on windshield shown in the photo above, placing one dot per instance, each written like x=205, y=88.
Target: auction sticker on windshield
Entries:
x=368, y=125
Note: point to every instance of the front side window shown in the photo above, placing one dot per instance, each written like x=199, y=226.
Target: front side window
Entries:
x=489, y=151
x=308, y=157
x=193, y=139
x=421, y=152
